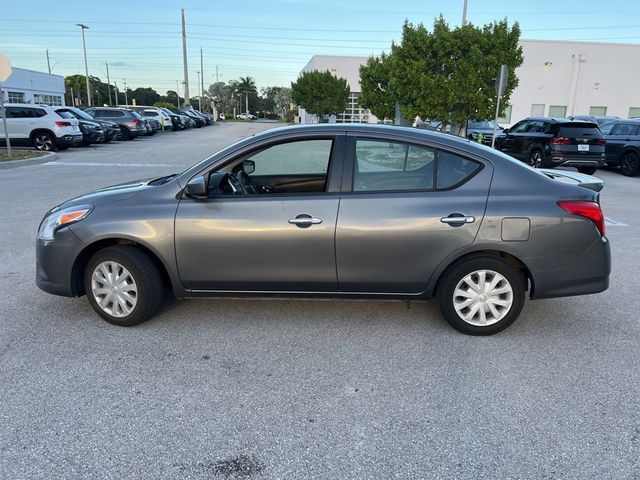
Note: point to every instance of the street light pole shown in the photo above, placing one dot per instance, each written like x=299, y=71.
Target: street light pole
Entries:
x=108, y=82
x=199, y=93
x=48, y=62
x=126, y=94
x=178, y=93
x=464, y=13
x=184, y=61
x=86, y=67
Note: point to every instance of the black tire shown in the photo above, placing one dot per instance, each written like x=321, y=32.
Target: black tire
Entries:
x=536, y=158
x=126, y=133
x=458, y=271
x=145, y=275
x=630, y=164
x=588, y=170
x=44, y=142
x=63, y=147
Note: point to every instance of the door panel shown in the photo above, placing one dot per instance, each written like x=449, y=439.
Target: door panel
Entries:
x=247, y=243
x=393, y=241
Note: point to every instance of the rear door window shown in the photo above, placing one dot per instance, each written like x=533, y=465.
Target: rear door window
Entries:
x=624, y=129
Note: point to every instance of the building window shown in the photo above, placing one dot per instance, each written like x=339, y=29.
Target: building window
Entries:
x=15, y=97
x=537, y=110
x=597, y=110
x=353, y=113
x=634, y=112
x=506, y=117
x=558, y=111
x=53, y=100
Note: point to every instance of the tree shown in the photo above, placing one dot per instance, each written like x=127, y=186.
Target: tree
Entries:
x=171, y=97
x=282, y=101
x=246, y=89
x=376, y=95
x=77, y=83
x=320, y=93
x=449, y=74
x=143, y=96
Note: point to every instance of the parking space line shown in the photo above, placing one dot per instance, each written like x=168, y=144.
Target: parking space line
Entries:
x=610, y=222
x=96, y=164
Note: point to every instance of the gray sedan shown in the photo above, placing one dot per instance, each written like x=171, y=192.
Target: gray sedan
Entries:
x=335, y=211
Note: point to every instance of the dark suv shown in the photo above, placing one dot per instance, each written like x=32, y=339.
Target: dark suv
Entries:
x=623, y=145
x=546, y=142
x=130, y=123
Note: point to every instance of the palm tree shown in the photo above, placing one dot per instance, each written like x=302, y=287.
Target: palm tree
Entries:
x=247, y=86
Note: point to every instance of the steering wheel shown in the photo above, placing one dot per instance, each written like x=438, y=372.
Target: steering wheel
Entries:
x=235, y=186
x=246, y=183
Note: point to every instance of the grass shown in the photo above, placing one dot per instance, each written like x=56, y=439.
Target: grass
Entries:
x=19, y=154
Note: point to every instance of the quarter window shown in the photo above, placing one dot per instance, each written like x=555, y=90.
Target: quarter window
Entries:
x=453, y=169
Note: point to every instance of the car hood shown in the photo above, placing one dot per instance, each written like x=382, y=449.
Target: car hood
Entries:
x=110, y=194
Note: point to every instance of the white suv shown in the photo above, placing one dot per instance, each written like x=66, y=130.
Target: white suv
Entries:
x=155, y=113
x=40, y=126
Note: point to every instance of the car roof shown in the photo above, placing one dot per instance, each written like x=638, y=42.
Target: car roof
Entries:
x=32, y=105
x=557, y=119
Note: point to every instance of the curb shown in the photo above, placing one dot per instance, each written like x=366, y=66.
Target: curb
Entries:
x=28, y=161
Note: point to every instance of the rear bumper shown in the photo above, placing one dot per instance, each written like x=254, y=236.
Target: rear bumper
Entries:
x=69, y=139
x=556, y=159
x=580, y=274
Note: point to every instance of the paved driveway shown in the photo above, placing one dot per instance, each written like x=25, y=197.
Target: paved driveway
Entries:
x=305, y=389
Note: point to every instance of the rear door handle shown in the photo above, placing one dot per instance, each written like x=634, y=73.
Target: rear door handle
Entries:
x=304, y=221
x=458, y=219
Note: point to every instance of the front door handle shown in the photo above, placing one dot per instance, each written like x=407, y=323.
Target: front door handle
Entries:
x=304, y=221
x=457, y=219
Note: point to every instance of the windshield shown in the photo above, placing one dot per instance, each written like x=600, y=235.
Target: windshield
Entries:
x=481, y=124
x=79, y=114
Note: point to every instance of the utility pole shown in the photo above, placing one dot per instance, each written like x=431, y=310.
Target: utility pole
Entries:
x=126, y=94
x=217, y=74
x=246, y=93
x=108, y=83
x=178, y=93
x=464, y=13
x=48, y=62
x=86, y=67
x=184, y=61
x=199, y=93
x=201, y=80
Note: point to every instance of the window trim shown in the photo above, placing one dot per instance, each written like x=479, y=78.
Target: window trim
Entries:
x=350, y=165
x=334, y=172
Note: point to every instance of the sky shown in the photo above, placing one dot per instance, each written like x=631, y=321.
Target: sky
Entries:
x=269, y=40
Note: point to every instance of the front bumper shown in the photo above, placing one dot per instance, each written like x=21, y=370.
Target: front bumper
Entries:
x=54, y=263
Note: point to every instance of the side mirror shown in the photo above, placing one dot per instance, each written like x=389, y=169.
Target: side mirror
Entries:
x=249, y=166
x=505, y=130
x=197, y=187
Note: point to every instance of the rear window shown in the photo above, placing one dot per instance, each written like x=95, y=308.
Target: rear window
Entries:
x=579, y=130
x=64, y=114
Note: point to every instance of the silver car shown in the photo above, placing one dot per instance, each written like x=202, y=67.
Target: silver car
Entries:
x=346, y=211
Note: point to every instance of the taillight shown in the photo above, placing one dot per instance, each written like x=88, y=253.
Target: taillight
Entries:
x=590, y=210
x=63, y=124
x=602, y=141
x=560, y=141
x=136, y=122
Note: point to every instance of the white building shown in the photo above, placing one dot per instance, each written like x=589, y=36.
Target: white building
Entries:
x=349, y=69
x=28, y=86
x=557, y=78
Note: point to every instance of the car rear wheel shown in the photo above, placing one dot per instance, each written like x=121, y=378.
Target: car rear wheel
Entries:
x=481, y=295
x=123, y=285
x=125, y=133
x=44, y=142
x=588, y=170
x=630, y=164
x=536, y=159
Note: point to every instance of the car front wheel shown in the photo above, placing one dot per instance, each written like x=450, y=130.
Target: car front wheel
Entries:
x=481, y=295
x=123, y=285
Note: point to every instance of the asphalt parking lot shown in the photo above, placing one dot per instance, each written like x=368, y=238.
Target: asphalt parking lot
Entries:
x=305, y=389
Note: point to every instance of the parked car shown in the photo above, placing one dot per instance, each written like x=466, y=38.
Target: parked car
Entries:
x=623, y=145
x=197, y=119
x=545, y=142
x=177, y=121
x=341, y=211
x=129, y=122
x=111, y=129
x=599, y=119
x=241, y=116
x=221, y=116
x=92, y=132
x=207, y=118
x=40, y=126
x=483, y=128
x=156, y=114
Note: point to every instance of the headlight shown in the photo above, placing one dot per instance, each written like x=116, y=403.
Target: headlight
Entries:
x=60, y=218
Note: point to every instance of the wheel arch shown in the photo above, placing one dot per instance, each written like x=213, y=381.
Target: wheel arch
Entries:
x=510, y=258
x=80, y=263
x=36, y=131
